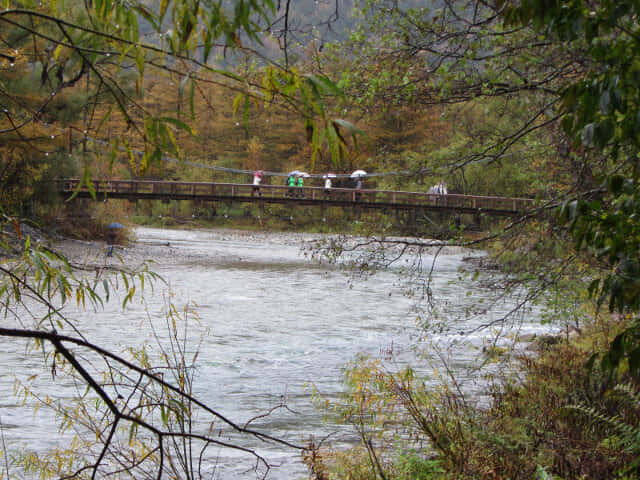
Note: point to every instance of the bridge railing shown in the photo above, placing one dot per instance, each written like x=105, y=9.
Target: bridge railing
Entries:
x=379, y=197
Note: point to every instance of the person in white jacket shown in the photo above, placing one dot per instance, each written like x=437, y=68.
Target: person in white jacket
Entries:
x=439, y=188
x=257, y=178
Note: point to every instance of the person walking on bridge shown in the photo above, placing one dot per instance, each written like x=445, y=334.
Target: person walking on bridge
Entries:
x=327, y=185
x=300, y=184
x=291, y=183
x=257, y=178
x=358, y=188
x=439, y=188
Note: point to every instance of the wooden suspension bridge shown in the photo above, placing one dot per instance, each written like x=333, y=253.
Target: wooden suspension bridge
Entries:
x=311, y=196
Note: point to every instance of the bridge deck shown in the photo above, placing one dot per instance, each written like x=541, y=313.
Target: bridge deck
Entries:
x=343, y=197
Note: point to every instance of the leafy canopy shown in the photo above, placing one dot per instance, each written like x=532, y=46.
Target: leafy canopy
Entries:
x=602, y=114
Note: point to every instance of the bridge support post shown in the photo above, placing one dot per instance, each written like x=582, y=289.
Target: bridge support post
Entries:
x=413, y=219
x=262, y=210
x=407, y=220
x=477, y=219
x=229, y=206
x=398, y=216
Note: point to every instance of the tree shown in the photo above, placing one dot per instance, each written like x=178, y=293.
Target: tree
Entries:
x=134, y=417
x=601, y=112
x=461, y=54
x=567, y=73
x=105, y=51
x=564, y=77
x=67, y=73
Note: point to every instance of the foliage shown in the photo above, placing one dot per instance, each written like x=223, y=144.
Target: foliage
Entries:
x=531, y=424
x=75, y=79
x=564, y=74
x=18, y=177
x=623, y=426
x=89, y=68
x=414, y=56
x=538, y=98
x=600, y=113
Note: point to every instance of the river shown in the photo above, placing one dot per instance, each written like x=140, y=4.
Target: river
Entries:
x=276, y=324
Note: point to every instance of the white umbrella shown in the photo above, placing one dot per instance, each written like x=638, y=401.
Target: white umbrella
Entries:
x=303, y=174
x=359, y=173
x=294, y=173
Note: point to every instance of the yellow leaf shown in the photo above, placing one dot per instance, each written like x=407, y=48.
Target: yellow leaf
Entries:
x=57, y=51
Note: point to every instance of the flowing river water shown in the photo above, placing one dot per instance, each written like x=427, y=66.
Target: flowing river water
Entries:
x=277, y=325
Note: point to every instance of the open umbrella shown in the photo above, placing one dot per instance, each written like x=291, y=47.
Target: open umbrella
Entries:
x=294, y=173
x=359, y=173
x=115, y=225
x=303, y=174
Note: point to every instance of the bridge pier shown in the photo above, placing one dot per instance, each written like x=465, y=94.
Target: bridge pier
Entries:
x=229, y=205
x=413, y=222
x=213, y=210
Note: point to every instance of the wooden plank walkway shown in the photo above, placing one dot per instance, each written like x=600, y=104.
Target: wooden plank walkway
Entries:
x=316, y=196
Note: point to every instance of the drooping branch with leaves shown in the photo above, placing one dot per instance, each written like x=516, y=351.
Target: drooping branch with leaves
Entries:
x=67, y=71
x=134, y=414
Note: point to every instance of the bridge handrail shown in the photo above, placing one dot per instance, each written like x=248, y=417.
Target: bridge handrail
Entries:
x=383, y=196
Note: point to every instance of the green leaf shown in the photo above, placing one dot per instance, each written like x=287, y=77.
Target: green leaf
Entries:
x=323, y=85
x=192, y=94
x=141, y=61
x=129, y=296
x=164, y=4
x=237, y=102
x=132, y=26
x=351, y=128
x=178, y=123
x=163, y=415
x=145, y=13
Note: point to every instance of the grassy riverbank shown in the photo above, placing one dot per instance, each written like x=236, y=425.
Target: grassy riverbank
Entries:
x=549, y=417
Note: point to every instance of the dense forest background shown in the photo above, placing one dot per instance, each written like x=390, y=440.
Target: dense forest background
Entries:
x=422, y=141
